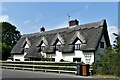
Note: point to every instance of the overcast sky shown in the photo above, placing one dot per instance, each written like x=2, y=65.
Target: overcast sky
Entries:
x=28, y=17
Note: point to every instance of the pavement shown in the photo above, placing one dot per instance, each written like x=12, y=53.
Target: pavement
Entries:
x=8, y=74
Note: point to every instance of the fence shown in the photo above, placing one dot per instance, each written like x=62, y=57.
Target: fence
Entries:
x=59, y=67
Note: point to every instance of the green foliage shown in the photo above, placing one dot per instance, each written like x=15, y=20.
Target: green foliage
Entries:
x=10, y=35
x=109, y=64
x=46, y=59
x=5, y=50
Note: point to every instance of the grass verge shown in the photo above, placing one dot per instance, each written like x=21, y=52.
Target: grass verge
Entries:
x=106, y=76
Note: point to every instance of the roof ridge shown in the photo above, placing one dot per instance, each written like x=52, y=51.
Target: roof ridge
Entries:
x=82, y=26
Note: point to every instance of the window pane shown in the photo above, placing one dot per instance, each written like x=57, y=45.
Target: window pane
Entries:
x=77, y=46
x=77, y=59
x=57, y=47
x=102, y=44
x=42, y=47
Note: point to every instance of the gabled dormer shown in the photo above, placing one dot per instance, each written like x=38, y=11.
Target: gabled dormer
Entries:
x=41, y=44
x=77, y=40
x=59, y=38
x=78, y=36
x=26, y=43
x=57, y=41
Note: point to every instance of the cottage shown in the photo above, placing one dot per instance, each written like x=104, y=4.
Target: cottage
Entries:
x=80, y=43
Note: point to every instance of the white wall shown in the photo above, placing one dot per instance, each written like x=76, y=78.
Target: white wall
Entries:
x=79, y=54
x=88, y=57
x=75, y=54
x=20, y=57
x=58, y=56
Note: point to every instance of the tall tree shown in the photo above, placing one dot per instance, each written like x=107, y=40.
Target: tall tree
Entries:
x=10, y=36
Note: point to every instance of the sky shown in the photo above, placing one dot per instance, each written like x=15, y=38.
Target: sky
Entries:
x=29, y=17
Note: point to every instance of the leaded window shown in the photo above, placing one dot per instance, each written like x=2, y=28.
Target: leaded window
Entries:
x=77, y=46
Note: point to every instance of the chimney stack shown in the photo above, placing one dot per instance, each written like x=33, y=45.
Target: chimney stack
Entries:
x=73, y=22
x=42, y=29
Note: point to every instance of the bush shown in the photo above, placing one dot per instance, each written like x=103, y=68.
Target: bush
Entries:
x=108, y=64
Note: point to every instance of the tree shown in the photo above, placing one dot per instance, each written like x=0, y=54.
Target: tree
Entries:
x=10, y=36
x=109, y=64
x=117, y=49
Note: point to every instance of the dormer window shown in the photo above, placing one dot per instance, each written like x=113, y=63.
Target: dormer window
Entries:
x=41, y=44
x=26, y=45
x=42, y=47
x=77, y=46
x=57, y=46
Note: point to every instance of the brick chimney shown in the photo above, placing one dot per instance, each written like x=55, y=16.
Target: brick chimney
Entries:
x=73, y=22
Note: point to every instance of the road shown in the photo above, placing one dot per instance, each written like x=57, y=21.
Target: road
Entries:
x=29, y=75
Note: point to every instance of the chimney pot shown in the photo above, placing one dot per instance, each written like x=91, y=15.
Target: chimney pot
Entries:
x=42, y=29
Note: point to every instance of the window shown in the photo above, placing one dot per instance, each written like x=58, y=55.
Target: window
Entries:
x=87, y=58
x=17, y=59
x=53, y=59
x=57, y=47
x=76, y=59
x=77, y=46
x=42, y=48
x=101, y=44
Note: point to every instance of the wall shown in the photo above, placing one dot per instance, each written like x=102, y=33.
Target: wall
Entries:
x=76, y=54
x=58, y=56
x=88, y=57
x=100, y=51
x=20, y=57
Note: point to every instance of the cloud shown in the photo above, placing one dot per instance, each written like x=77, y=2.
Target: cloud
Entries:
x=4, y=18
x=27, y=21
x=36, y=20
x=62, y=25
x=111, y=30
